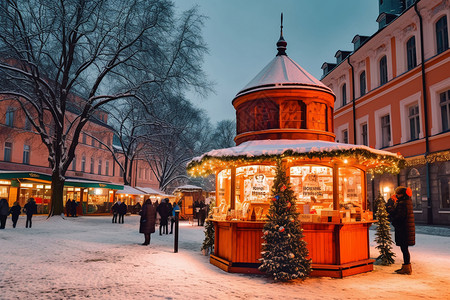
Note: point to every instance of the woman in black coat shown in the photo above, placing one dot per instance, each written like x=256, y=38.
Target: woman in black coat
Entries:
x=15, y=212
x=4, y=212
x=403, y=222
x=164, y=211
x=30, y=209
x=148, y=220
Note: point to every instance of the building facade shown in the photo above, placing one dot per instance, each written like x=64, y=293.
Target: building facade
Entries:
x=393, y=93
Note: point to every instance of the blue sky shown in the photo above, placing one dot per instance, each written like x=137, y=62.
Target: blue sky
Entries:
x=241, y=37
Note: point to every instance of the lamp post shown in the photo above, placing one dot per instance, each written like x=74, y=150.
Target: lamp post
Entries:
x=175, y=246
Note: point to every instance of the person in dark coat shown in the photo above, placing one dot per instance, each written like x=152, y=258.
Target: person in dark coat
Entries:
x=122, y=210
x=164, y=211
x=68, y=207
x=15, y=212
x=4, y=212
x=196, y=208
x=172, y=220
x=115, y=211
x=30, y=209
x=403, y=222
x=137, y=207
x=73, y=208
x=147, y=221
x=390, y=205
x=201, y=213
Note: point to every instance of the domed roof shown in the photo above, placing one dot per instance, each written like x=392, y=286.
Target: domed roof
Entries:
x=283, y=72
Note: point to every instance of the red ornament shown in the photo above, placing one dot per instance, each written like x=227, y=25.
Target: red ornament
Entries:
x=409, y=192
x=281, y=229
x=292, y=220
x=283, y=188
x=266, y=232
x=289, y=205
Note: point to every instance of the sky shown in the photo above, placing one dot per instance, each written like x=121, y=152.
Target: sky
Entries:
x=241, y=36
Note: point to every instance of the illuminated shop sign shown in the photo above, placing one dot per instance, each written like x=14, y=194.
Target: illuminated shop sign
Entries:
x=5, y=182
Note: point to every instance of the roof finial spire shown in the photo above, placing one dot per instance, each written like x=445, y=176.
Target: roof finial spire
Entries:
x=281, y=44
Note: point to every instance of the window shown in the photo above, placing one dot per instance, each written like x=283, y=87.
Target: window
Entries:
x=385, y=131
x=414, y=124
x=99, y=167
x=84, y=138
x=362, y=84
x=444, y=185
x=83, y=164
x=92, y=165
x=9, y=118
x=107, y=167
x=74, y=164
x=293, y=114
x=26, y=155
x=344, y=94
x=140, y=173
x=7, y=155
x=413, y=182
x=383, y=70
x=445, y=110
x=411, y=53
x=441, y=35
x=345, y=136
x=364, y=134
x=93, y=142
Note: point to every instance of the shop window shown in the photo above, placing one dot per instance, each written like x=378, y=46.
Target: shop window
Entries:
x=313, y=188
x=83, y=164
x=26, y=155
x=317, y=116
x=414, y=122
x=445, y=110
x=444, y=185
x=383, y=70
x=223, y=194
x=411, y=53
x=7, y=153
x=107, y=167
x=293, y=114
x=364, y=135
x=441, y=35
x=413, y=182
x=92, y=165
x=350, y=190
x=362, y=84
x=9, y=117
x=344, y=94
x=99, y=167
x=385, y=131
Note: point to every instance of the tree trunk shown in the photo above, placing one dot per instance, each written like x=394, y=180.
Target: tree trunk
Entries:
x=57, y=207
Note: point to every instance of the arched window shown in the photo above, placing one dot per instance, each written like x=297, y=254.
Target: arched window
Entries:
x=413, y=181
x=362, y=83
x=344, y=94
x=411, y=53
x=83, y=163
x=383, y=70
x=441, y=35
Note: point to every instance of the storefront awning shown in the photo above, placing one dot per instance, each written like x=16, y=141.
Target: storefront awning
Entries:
x=25, y=175
x=92, y=184
x=130, y=191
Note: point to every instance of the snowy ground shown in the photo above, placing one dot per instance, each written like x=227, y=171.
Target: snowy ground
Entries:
x=88, y=257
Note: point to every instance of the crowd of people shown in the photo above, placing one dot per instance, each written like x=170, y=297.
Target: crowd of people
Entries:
x=30, y=208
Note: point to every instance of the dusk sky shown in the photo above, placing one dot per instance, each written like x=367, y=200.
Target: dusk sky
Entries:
x=241, y=37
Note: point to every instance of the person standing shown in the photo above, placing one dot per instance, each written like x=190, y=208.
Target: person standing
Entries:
x=122, y=210
x=147, y=221
x=172, y=220
x=68, y=207
x=4, y=212
x=115, y=211
x=163, y=210
x=202, y=213
x=30, y=209
x=15, y=212
x=73, y=208
x=403, y=221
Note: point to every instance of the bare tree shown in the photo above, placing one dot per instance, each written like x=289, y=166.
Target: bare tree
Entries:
x=60, y=59
x=223, y=135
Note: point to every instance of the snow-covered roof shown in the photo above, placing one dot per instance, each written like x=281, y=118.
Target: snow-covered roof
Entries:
x=283, y=72
x=253, y=150
x=150, y=191
x=130, y=191
x=188, y=187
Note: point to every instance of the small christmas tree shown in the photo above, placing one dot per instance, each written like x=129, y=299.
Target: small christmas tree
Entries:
x=284, y=255
x=208, y=242
x=383, y=234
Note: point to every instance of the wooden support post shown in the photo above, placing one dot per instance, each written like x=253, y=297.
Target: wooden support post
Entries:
x=335, y=187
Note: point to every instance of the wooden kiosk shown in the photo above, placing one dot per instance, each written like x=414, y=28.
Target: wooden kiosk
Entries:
x=286, y=113
x=188, y=194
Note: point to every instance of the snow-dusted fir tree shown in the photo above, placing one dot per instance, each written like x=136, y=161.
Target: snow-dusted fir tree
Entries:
x=383, y=234
x=284, y=253
x=208, y=242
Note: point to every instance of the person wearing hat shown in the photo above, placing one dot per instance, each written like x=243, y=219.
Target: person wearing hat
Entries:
x=403, y=221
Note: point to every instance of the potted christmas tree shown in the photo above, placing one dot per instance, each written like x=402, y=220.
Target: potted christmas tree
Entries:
x=284, y=255
x=383, y=234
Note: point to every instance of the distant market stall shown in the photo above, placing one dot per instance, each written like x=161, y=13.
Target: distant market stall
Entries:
x=186, y=195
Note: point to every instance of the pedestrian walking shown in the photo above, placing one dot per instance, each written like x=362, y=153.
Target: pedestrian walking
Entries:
x=122, y=210
x=4, y=212
x=147, y=221
x=15, y=212
x=164, y=211
x=30, y=209
x=115, y=211
x=403, y=222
